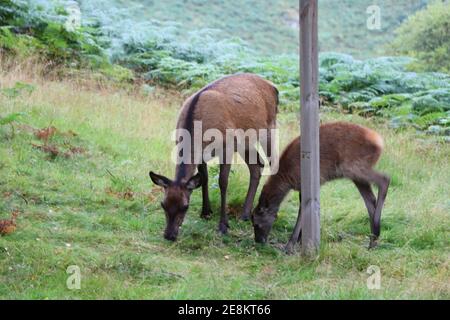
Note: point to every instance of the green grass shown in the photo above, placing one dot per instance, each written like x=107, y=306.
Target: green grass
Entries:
x=73, y=211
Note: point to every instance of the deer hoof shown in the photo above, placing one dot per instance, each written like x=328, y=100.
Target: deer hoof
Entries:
x=245, y=216
x=289, y=248
x=223, y=228
x=206, y=214
x=373, y=243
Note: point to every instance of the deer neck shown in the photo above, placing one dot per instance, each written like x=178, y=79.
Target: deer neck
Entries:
x=274, y=191
x=184, y=172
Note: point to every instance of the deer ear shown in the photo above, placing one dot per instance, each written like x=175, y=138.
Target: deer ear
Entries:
x=194, y=182
x=160, y=180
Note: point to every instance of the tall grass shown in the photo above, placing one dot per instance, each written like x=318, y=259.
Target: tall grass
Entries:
x=73, y=211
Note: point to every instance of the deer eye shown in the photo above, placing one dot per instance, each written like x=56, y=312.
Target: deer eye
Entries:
x=163, y=206
x=185, y=208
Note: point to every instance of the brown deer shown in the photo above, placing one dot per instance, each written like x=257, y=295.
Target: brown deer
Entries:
x=346, y=151
x=237, y=102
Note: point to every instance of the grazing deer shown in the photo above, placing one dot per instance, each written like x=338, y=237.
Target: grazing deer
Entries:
x=346, y=151
x=237, y=102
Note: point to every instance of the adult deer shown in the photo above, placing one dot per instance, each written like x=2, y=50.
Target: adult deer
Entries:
x=346, y=151
x=241, y=102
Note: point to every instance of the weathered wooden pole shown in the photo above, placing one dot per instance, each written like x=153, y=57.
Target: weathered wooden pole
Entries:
x=309, y=125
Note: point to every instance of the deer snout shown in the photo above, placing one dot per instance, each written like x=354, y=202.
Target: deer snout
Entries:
x=170, y=236
x=171, y=233
x=260, y=239
x=260, y=235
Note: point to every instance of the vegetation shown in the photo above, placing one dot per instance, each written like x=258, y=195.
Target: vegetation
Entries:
x=343, y=25
x=85, y=112
x=272, y=26
x=93, y=205
x=425, y=36
x=113, y=45
x=29, y=29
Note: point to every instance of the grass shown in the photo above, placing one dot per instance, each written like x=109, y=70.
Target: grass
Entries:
x=98, y=210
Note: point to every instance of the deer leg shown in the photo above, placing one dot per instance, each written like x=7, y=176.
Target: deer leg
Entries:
x=369, y=199
x=206, y=207
x=382, y=181
x=223, y=185
x=297, y=233
x=255, y=177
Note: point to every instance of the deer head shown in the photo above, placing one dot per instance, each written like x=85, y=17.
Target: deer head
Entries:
x=176, y=201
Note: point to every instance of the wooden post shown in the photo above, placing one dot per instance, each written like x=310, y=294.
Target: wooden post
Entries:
x=309, y=124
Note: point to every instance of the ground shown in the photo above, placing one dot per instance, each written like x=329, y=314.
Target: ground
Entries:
x=94, y=206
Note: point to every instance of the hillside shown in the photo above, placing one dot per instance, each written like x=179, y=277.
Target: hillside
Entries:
x=272, y=26
x=112, y=41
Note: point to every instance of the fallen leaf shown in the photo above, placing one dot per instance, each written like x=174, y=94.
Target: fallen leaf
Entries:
x=46, y=133
x=8, y=226
x=127, y=195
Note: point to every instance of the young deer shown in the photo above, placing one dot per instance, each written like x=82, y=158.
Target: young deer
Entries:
x=346, y=151
x=239, y=102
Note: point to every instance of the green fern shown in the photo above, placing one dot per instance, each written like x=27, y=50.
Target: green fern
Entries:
x=10, y=118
